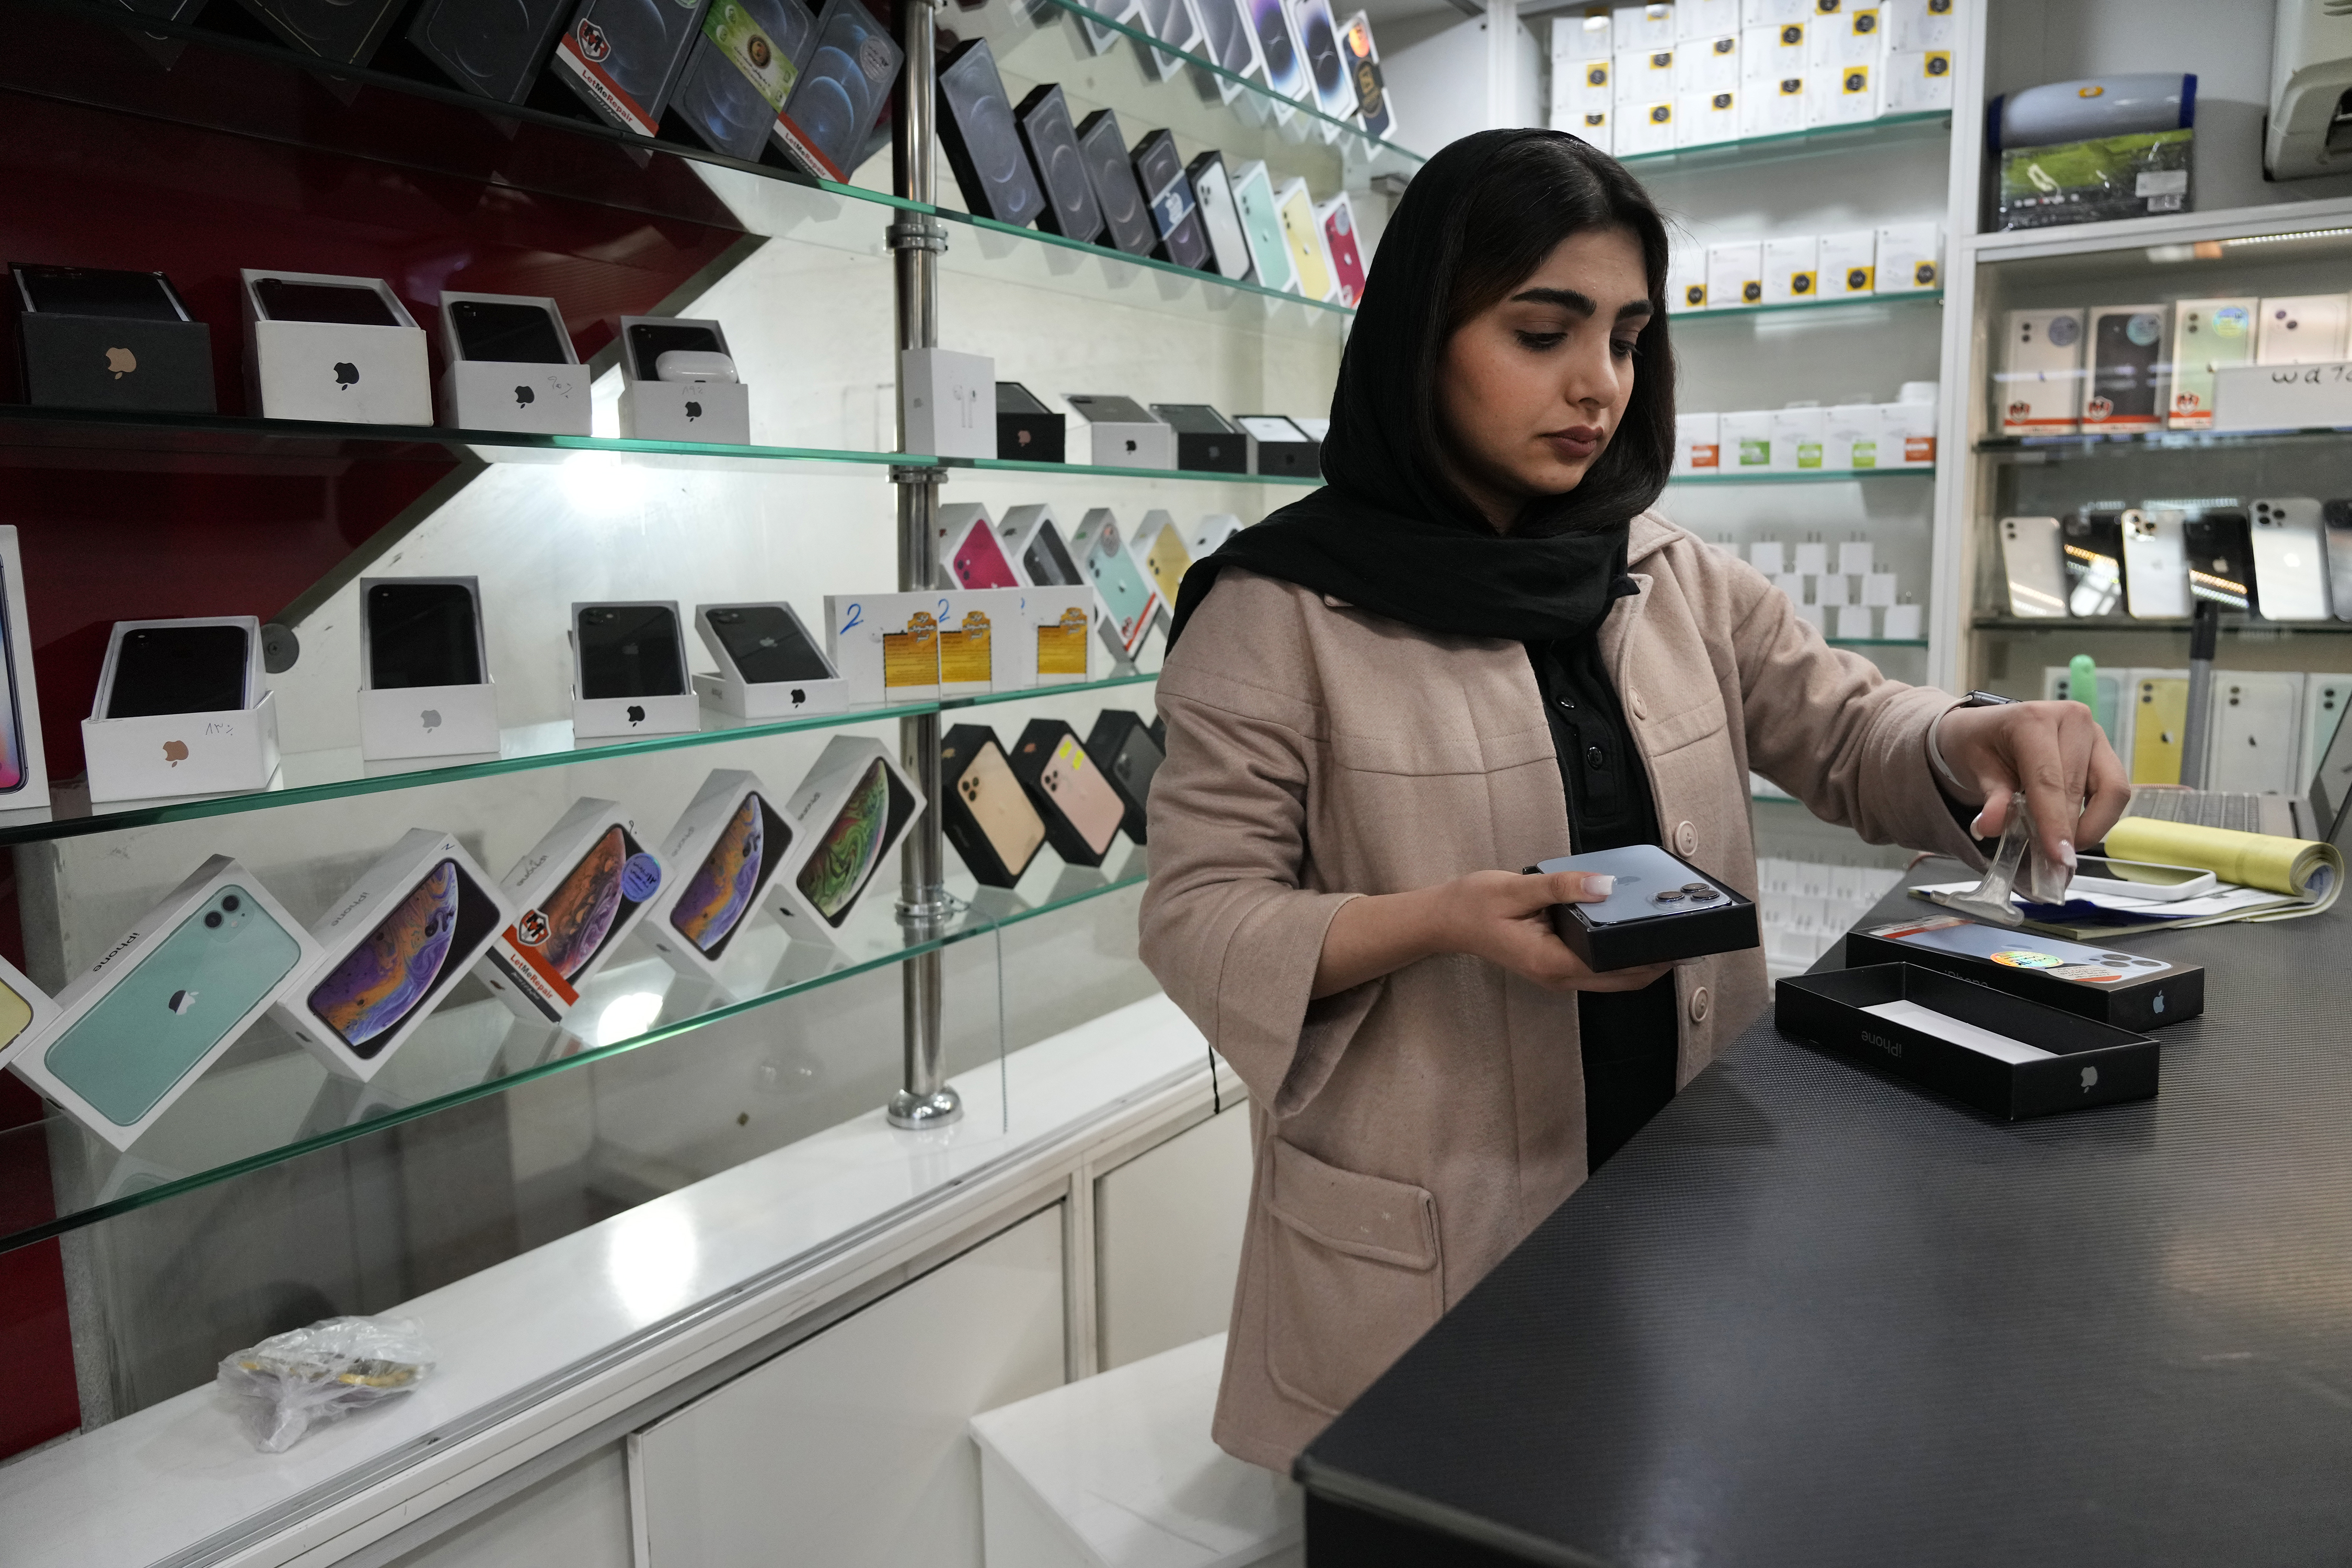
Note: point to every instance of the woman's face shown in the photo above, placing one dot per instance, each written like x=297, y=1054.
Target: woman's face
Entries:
x=1532, y=388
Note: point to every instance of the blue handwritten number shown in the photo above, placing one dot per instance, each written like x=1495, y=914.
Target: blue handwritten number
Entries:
x=857, y=617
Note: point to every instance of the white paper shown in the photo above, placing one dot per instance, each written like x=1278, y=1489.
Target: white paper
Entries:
x=2228, y=898
x=1984, y=1042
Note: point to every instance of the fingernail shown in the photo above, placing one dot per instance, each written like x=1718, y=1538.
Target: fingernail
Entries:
x=1977, y=829
x=1599, y=884
x=2066, y=852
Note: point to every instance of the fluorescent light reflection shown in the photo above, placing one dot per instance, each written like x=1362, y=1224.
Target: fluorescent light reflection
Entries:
x=627, y=1015
x=652, y=1261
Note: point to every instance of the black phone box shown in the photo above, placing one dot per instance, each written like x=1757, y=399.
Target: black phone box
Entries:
x=2136, y=992
x=623, y=58
x=1030, y=753
x=1302, y=458
x=108, y=361
x=983, y=144
x=1123, y=743
x=2089, y=1063
x=493, y=50
x=984, y=856
x=1071, y=210
x=1116, y=192
x=1026, y=428
x=1726, y=924
x=1175, y=211
x=1206, y=441
x=347, y=32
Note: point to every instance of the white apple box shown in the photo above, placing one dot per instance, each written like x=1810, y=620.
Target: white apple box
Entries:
x=335, y=371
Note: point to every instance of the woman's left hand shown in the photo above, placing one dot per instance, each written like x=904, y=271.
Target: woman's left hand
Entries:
x=2055, y=751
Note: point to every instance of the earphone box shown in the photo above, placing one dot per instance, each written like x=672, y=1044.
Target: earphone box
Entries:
x=365, y=365
x=1916, y=25
x=1791, y=270
x=389, y=951
x=981, y=636
x=24, y=785
x=87, y=357
x=1841, y=95
x=2003, y=1055
x=436, y=721
x=713, y=405
x=167, y=998
x=151, y=756
x=1847, y=264
x=1798, y=436
x=1777, y=104
x=1685, y=280
x=489, y=389
x=1910, y=257
x=1908, y=437
x=1708, y=62
x=984, y=811
x=1123, y=434
x=2127, y=990
x=1735, y=274
x=742, y=693
x=607, y=714
x=945, y=402
x=1661, y=910
x=2038, y=390
x=1083, y=813
x=1745, y=436
x=726, y=846
x=1025, y=429
x=1697, y=442
x=1643, y=125
x=580, y=890
x=1705, y=116
x=885, y=646
x=850, y=811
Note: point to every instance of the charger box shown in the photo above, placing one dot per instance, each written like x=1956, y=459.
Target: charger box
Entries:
x=1644, y=124
x=676, y=713
x=885, y=646
x=1791, y=270
x=1735, y=274
x=2002, y=1054
x=1842, y=95
x=718, y=862
x=167, y=1000
x=1910, y=257
x=75, y=361
x=1698, y=448
x=1854, y=435
x=1662, y=910
x=162, y=754
x=947, y=403
x=398, y=721
x=533, y=397
x=2127, y=990
x=652, y=409
x=389, y=950
x=732, y=693
x=341, y=372
x=580, y=890
x=1848, y=263
x=1709, y=62
x=850, y=812
x=1908, y=439
x=1798, y=437
x=1746, y=440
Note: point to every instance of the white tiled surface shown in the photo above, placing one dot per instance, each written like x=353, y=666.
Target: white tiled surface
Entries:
x=184, y=1470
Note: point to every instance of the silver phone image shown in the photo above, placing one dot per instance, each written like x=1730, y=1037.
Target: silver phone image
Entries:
x=2033, y=555
x=2256, y=732
x=2156, y=565
x=2290, y=560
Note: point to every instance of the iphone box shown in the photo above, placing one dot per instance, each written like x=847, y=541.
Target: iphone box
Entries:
x=1916, y=81
x=1746, y=440
x=756, y=692
x=677, y=712
x=1797, y=438
x=885, y=646
x=719, y=861
x=580, y=890
x=146, y=756
x=1791, y=270
x=1705, y=116
x=988, y=817
x=1854, y=435
x=1131, y=606
x=652, y=409
x=1709, y=63
x=2124, y=387
x=1122, y=433
x=1735, y=274
x=389, y=951
x=1847, y=263
x=1697, y=449
x=623, y=58
x=507, y=364
x=27, y=1013
x=165, y=1000
x=364, y=364
x=850, y=812
x=2039, y=387
x=1911, y=24
x=1083, y=810
x=1685, y=280
x=1161, y=552
x=1774, y=105
x=2300, y=329
x=948, y=403
x=398, y=721
x=2208, y=336
x=1910, y=257
x=25, y=771
x=981, y=640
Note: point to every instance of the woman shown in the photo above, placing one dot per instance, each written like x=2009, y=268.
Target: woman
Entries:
x=1476, y=650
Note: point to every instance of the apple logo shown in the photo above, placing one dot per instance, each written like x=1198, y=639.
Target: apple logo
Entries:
x=693, y=410
x=799, y=697
x=636, y=713
x=121, y=361
x=1021, y=438
x=181, y=1002
x=525, y=397
x=2090, y=1077
x=1130, y=445
x=347, y=375
x=176, y=752
x=431, y=719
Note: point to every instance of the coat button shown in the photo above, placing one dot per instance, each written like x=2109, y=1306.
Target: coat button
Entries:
x=1699, y=1004
x=1686, y=840
x=1641, y=709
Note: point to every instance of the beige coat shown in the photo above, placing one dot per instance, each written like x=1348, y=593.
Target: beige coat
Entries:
x=1412, y=1131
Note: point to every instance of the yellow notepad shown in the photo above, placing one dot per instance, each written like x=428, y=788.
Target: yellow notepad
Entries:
x=2295, y=866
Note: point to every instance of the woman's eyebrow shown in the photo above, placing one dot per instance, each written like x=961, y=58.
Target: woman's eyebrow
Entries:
x=1582, y=304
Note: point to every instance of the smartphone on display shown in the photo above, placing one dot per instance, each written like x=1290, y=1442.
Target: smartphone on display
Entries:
x=2255, y=732
x=2126, y=345
x=179, y=669
x=2221, y=558
x=630, y=650
x=2033, y=557
x=648, y=341
x=2325, y=698
x=2161, y=714
x=99, y=291
x=844, y=858
x=345, y=304
x=2208, y=336
x=162, y=1019
x=422, y=633
x=1047, y=559
x=2300, y=329
x=1078, y=790
x=999, y=809
x=727, y=884
x=504, y=333
x=2336, y=524
x=407, y=962
x=2094, y=562
x=768, y=644
x=979, y=561
x=2155, y=568
x=2290, y=560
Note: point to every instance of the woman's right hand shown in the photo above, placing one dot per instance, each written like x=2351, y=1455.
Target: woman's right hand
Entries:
x=1502, y=917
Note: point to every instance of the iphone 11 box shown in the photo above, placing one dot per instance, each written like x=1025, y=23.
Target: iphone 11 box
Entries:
x=319, y=346
x=1036, y=548
x=987, y=815
x=628, y=670
x=2208, y=336
x=2300, y=329
x=948, y=403
x=508, y=365
x=969, y=549
x=885, y=646
x=769, y=665
x=1208, y=534
x=1160, y=548
x=24, y=765
x=389, y=950
x=1083, y=812
x=2038, y=389
x=425, y=678
x=180, y=709
x=578, y=892
x=1130, y=605
x=719, y=860
x=1662, y=910
x=1848, y=264
x=679, y=382
x=166, y=999
x=850, y=812
x=27, y=1013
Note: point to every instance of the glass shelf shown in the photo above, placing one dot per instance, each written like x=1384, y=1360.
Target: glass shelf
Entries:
x=1806, y=476
x=1015, y=465
x=1868, y=135
x=1677, y=319
x=268, y=1102
x=1876, y=642
x=2231, y=626
x=340, y=771
x=2061, y=448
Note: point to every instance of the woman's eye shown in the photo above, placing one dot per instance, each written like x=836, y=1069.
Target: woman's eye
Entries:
x=1624, y=348
x=1541, y=341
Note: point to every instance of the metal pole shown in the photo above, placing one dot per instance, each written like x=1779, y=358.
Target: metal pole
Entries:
x=915, y=240
x=2204, y=632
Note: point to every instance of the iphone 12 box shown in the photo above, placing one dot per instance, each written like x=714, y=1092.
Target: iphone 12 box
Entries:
x=1662, y=910
x=347, y=32
x=769, y=665
x=507, y=364
x=580, y=890
x=425, y=676
x=742, y=70
x=2127, y=990
x=165, y=1000
x=322, y=346
x=180, y=709
x=90, y=338
x=725, y=849
x=493, y=50
x=1083, y=814
x=389, y=950
x=850, y=812
x=628, y=670
x=982, y=143
x=623, y=58
x=840, y=92
x=986, y=814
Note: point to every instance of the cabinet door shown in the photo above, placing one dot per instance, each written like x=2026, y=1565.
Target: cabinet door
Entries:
x=1167, y=1239
x=851, y=1448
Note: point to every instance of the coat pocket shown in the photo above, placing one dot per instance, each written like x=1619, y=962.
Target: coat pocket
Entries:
x=1354, y=1273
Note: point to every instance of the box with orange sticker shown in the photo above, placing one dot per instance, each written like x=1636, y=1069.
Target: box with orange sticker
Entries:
x=885, y=646
x=578, y=892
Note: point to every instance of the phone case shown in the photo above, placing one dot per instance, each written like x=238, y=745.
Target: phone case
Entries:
x=2030, y=556
x=2160, y=711
x=2255, y=736
x=2300, y=329
x=2125, y=389
x=2039, y=387
x=2290, y=560
x=2335, y=523
x=2156, y=571
x=2207, y=336
x=990, y=818
x=2221, y=558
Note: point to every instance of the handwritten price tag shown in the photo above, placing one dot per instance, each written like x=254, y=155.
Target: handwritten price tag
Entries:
x=2282, y=396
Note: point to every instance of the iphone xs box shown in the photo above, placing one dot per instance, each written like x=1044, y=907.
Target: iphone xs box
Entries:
x=1661, y=910
x=2127, y=990
x=850, y=812
x=580, y=890
x=720, y=858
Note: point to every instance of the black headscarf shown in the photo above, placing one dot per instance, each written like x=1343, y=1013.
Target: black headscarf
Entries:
x=1389, y=533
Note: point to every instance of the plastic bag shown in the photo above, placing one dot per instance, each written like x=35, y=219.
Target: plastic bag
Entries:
x=311, y=1376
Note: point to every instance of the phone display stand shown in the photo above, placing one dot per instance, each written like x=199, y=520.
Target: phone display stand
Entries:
x=731, y=694
x=341, y=372
x=159, y=755
x=535, y=399
x=428, y=721
x=654, y=410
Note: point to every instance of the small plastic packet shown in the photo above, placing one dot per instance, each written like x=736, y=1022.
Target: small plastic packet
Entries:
x=2020, y=852
x=308, y=1377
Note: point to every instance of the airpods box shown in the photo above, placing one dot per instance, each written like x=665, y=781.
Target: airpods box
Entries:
x=533, y=397
x=948, y=403
x=1696, y=444
x=389, y=951
x=852, y=810
x=344, y=372
x=1798, y=435
x=1910, y=257
x=578, y=892
x=653, y=409
x=398, y=721
x=1791, y=270
x=676, y=713
x=717, y=861
x=28, y=788
x=1735, y=274
x=732, y=692
x=885, y=646
x=1847, y=264
x=165, y=1001
x=1746, y=437
x=161, y=754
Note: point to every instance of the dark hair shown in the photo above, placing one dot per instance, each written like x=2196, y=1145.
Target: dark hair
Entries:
x=1478, y=219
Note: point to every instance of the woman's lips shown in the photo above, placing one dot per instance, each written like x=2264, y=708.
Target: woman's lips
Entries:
x=1576, y=443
